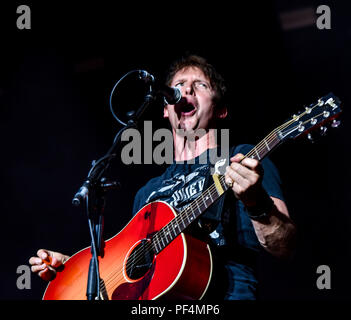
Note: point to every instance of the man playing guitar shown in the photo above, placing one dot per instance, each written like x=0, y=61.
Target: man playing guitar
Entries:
x=250, y=217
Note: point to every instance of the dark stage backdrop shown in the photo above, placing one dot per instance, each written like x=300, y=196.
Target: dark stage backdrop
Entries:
x=55, y=82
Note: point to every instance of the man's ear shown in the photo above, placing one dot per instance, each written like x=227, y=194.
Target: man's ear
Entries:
x=222, y=112
x=165, y=112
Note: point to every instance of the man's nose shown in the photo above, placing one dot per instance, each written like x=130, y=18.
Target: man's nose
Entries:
x=189, y=89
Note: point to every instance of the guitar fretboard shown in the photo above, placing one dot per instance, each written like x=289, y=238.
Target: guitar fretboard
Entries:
x=262, y=149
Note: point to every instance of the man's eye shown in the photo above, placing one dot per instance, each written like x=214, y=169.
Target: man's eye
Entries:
x=202, y=85
x=179, y=84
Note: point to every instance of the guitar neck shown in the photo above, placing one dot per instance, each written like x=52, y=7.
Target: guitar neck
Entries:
x=187, y=216
x=317, y=115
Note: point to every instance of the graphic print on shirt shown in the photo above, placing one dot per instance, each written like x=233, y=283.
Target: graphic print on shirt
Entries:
x=183, y=187
x=220, y=163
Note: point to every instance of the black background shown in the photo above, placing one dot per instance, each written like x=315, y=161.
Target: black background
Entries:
x=55, y=82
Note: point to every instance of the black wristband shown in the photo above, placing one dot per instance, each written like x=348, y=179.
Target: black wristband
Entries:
x=262, y=209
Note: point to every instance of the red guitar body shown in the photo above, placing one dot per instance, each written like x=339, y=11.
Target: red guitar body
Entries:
x=182, y=270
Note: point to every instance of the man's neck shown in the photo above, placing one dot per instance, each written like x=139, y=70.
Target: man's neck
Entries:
x=187, y=147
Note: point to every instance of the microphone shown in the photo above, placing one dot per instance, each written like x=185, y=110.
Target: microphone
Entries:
x=171, y=95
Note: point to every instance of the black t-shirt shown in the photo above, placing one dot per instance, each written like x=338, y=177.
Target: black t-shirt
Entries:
x=229, y=230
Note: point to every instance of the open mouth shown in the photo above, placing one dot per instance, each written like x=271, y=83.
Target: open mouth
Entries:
x=187, y=110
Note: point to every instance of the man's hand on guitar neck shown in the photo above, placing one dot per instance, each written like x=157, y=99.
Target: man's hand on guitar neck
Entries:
x=47, y=263
x=245, y=177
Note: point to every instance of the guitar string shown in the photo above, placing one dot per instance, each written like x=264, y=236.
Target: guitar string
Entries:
x=184, y=213
x=142, y=250
x=107, y=283
x=252, y=152
x=139, y=255
x=262, y=145
x=109, y=278
x=256, y=149
x=211, y=191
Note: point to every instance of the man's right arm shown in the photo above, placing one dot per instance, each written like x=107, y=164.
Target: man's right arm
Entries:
x=47, y=263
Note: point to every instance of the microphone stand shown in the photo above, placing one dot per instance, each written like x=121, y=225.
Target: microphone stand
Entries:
x=93, y=191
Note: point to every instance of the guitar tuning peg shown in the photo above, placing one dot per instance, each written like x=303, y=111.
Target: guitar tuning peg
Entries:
x=308, y=109
x=335, y=123
x=323, y=130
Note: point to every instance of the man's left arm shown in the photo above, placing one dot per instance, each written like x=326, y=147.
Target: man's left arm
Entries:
x=274, y=228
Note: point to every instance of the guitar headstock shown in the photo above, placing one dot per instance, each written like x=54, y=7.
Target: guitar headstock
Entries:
x=317, y=116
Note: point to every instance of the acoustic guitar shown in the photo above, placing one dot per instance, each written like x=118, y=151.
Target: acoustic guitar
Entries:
x=153, y=257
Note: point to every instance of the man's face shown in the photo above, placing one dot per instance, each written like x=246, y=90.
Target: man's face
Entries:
x=196, y=109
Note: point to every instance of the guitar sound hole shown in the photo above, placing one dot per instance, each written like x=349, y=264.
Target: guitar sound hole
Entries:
x=140, y=260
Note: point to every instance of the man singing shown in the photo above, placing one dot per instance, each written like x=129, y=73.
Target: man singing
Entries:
x=249, y=217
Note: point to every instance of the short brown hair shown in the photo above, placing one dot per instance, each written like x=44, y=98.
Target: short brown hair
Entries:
x=216, y=80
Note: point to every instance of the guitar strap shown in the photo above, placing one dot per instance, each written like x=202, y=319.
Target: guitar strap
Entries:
x=214, y=214
x=227, y=224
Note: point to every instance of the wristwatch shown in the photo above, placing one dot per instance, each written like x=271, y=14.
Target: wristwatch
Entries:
x=262, y=209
